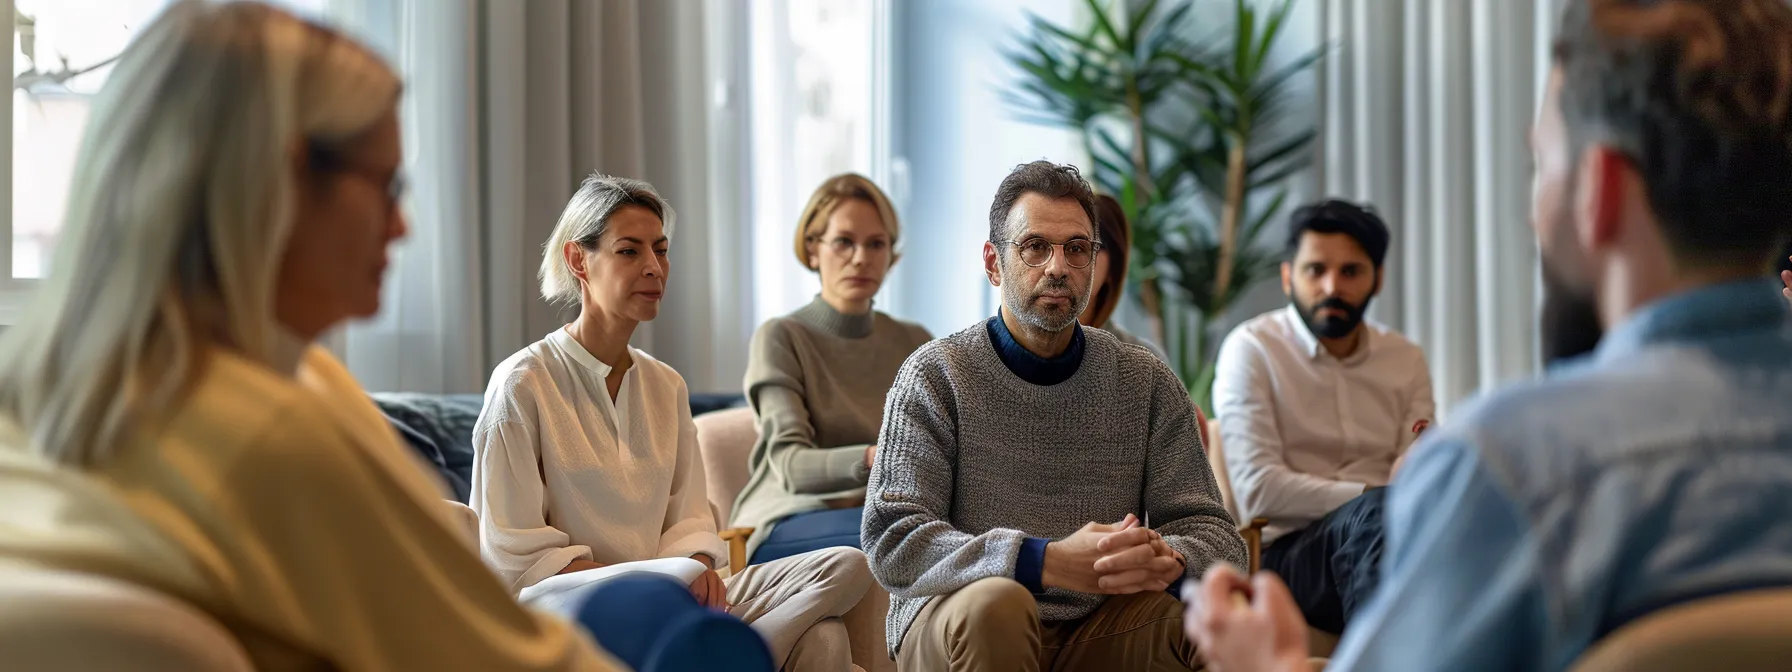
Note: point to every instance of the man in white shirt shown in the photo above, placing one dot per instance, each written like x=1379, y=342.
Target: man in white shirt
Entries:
x=1316, y=407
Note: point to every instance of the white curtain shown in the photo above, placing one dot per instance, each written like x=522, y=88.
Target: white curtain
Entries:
x=508, y=106
x=1425, y=107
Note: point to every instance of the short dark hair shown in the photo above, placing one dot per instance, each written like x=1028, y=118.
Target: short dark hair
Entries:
x=1045, y=178
x=1335, y=216
x=1697, y=94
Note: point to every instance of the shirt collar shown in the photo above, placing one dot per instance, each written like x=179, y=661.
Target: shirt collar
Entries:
x=823, y=316
x=567, y=344
x=1308, y=342
x=1030, y=367
x=1698, y=315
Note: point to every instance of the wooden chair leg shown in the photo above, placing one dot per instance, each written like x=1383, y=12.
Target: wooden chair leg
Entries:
x=1253, y=542
x=737, y=548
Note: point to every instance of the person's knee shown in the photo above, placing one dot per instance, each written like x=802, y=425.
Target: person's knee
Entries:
x=638, y=588
x=845, y=568
x=824, y=642
x=990, y=604
x=653, y=623
x=1137, y=609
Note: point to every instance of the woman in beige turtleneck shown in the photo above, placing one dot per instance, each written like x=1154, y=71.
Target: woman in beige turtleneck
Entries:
x=816, y=379
x=1110, y=274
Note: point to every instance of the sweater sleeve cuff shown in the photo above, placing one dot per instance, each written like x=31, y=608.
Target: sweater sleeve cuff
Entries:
x=1029, y=566
x=848, y=463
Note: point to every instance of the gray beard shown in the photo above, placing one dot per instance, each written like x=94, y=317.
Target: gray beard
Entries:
x=1021, y=304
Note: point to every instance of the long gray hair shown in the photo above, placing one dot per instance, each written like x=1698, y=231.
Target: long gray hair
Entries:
x=178, y=217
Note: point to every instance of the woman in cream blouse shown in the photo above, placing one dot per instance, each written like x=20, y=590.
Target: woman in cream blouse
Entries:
x=586, y=456
x=165, y=417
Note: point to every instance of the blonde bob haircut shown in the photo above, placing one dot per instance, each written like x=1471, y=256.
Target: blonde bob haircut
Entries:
x=827, y=198
x=585, y=219
x=178, y=216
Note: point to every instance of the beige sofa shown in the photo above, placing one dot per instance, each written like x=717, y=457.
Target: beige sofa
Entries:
x=726, y=437
x=63, y=620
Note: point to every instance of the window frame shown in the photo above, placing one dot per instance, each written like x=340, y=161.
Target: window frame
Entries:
x=13, y=291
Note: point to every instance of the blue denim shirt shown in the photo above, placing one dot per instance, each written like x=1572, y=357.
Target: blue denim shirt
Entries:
x=1656, y=470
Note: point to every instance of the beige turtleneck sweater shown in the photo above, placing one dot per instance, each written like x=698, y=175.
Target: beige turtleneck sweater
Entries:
x=816, y=380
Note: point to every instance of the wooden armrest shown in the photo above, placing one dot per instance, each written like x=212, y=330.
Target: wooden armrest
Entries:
x=1253, y=542
x=737, y=547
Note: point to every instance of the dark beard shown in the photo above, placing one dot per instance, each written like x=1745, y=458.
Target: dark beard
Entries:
x=1569, y=325
x=1332, y=327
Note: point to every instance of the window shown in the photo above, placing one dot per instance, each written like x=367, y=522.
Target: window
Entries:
x=62, y=52
x=814, y=113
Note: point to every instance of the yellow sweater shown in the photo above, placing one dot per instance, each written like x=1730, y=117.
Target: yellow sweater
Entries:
x=287, y=509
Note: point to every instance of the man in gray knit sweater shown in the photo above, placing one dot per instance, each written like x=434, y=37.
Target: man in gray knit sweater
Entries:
x=1019, y=463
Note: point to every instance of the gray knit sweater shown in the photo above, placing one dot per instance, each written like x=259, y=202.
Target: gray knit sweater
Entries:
x=972, y=460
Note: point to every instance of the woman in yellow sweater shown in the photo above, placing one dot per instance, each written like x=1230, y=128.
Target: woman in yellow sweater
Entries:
x=164, y=415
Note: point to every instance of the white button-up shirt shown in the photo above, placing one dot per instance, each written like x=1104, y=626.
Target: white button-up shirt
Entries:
x=1305, y=432
x=562, y=473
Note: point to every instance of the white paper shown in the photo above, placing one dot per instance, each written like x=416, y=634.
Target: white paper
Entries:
x=558, y=592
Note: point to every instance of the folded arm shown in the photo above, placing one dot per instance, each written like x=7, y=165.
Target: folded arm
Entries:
x=787, y=437
x=791, y=450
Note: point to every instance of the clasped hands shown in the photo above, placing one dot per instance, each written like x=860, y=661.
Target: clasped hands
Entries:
x=1115, y=559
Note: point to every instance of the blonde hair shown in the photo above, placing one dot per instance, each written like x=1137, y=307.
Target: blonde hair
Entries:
x=585, y=219
x=178, y=217
x=828, y=197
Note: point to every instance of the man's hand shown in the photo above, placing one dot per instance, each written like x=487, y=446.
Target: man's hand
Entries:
x=1244, y=625
x=870, y=455
x=1070, y=562
x=579, y=566
x=710, y=591
x=1136, y=560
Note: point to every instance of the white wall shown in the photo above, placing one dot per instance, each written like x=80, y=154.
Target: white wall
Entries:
x=958, y=141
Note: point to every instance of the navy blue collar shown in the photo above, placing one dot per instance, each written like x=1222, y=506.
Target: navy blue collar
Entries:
x=1699, y=315
x=1030, y=367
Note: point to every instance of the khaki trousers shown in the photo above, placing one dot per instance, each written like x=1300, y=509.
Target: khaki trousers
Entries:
x=994, y=624
x=796, y=604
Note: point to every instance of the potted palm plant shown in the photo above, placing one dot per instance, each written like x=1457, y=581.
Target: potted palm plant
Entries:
x=1174, y=127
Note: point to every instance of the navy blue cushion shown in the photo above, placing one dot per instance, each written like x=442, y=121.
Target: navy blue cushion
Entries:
x=440, y=427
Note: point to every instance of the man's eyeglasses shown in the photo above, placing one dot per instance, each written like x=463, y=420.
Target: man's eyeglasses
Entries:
x=1078, y=253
